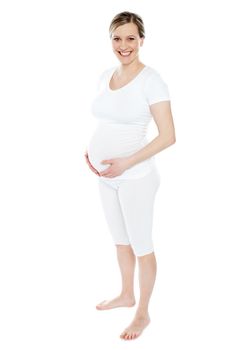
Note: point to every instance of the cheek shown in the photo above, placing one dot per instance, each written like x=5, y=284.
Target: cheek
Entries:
x=135, y=46
x=114, y=45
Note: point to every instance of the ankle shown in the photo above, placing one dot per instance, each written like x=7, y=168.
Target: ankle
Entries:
x=142, y=313
x=127, y=295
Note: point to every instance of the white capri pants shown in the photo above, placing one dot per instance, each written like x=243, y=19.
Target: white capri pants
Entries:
x=128, y=207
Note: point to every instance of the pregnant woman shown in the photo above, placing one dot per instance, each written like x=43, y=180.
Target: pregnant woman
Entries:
x=128, y=98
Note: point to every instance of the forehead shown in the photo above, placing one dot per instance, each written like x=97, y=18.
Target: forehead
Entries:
x=125, y=30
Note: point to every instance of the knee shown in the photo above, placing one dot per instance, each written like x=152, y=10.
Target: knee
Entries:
x=138, y=248
x=124, y=247
x=141, y=252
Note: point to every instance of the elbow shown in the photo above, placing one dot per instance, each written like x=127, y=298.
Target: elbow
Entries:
x=169, y=142
x=173, y=139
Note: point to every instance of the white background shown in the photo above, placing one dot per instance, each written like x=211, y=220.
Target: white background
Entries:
x=57, y=257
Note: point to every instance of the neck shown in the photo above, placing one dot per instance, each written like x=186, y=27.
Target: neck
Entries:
x=131, y=68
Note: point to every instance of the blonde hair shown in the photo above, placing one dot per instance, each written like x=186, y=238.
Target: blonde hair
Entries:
x=127, y=17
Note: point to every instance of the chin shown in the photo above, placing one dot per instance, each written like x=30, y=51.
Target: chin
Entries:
x=126, y=60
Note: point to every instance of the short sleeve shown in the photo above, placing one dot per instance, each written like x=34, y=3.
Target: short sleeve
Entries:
x=156, y=89
x=102, y=79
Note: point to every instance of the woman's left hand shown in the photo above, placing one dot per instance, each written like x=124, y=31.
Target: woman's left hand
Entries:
x=118, y=166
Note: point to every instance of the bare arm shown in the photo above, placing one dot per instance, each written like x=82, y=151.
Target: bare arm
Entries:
x=163, y=118
x=162, y=115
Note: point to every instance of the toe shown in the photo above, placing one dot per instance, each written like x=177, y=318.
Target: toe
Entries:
x=100, y=305
x=123, y=334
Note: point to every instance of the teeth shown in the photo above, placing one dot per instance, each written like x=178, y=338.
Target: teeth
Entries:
x=125, y=53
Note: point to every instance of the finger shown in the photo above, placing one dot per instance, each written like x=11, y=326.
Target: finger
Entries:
x=90, y=165
x=108, y=175
x=94, y=170
x=107, y=161
x=103, y=174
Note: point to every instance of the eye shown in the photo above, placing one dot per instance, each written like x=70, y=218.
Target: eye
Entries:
x=131, y=38
x=115, y=39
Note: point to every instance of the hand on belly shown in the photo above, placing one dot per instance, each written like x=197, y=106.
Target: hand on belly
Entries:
x=90, y=165
x=116, y=168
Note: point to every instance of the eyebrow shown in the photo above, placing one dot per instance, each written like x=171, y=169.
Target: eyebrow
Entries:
x=117, y=36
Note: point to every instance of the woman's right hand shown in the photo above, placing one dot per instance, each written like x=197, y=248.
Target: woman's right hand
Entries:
x=90, y=165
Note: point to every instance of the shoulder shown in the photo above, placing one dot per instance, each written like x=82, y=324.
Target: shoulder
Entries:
x=153, y=74
x=103, y=75
x=155, y=87
x=106, y=72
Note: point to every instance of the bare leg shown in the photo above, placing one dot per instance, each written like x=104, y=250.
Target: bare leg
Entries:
x=126, y=260
x=147, y=276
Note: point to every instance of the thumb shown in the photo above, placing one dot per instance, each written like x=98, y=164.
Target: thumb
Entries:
x=106, y=161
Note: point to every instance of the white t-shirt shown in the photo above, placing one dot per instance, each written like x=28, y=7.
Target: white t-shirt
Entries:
x=123, y=116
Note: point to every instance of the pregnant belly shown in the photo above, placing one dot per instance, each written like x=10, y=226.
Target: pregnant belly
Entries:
x=114, y=141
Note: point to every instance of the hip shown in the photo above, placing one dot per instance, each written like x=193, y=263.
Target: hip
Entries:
x=133, y=173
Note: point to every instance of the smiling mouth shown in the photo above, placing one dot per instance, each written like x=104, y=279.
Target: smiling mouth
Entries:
x=125, y=54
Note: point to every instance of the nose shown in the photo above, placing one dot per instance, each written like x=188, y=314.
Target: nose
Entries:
x=123, y=46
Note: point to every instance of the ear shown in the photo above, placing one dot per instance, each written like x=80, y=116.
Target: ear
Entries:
x=141, y=41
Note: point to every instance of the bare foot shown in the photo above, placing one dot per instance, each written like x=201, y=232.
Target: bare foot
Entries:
x=120, y=301
x=136, y=328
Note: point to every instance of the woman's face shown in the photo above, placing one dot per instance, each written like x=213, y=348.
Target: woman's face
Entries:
x=126, y=42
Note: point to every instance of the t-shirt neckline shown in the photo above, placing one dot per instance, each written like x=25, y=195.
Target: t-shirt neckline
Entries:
x=126, y=85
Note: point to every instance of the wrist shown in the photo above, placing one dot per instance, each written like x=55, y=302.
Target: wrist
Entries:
x=129, y=161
